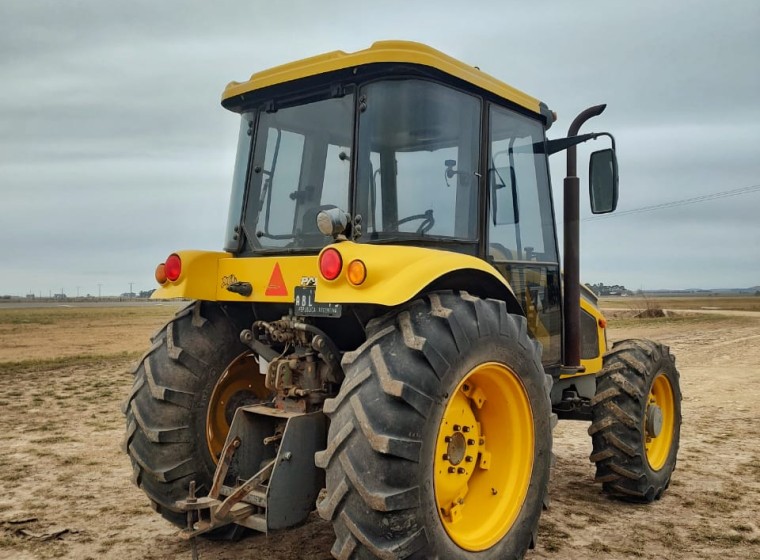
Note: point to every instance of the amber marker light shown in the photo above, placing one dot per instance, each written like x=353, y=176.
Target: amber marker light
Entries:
x=356, y=272
x=602, y=323
x=330, y=264
x=161, y=273
x=173, y=267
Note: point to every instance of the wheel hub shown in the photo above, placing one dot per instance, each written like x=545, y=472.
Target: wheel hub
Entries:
x=238, y=399
x=654, y=421
x=456, y=448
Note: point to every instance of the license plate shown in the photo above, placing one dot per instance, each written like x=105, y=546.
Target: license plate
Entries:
x=305, y=306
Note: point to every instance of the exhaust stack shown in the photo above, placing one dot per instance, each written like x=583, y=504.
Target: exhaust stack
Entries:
x=572, y=265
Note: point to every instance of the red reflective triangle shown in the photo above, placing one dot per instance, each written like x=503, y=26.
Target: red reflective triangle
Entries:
x=276, y=285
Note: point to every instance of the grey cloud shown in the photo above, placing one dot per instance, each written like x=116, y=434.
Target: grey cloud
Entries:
x=114, y=150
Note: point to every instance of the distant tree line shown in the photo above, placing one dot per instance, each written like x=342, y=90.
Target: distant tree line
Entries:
x=613, y=290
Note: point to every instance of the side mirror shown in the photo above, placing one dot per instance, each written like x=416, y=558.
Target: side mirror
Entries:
x=603, y=181
x=504, y=196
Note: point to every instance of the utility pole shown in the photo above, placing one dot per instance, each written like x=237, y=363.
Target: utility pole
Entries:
x=130, y=289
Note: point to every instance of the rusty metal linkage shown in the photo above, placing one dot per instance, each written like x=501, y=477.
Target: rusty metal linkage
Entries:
x=224, y=464
x=221, y=512
x=241, y=491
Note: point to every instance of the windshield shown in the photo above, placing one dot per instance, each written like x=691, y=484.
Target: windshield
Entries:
x=301, y=165
x=419, y=157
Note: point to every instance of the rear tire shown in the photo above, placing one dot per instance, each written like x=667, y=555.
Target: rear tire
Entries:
x=166, y=410
x=634, y=460
x=385, y=469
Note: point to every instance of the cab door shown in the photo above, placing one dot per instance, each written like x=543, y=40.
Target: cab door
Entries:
x=521, y=235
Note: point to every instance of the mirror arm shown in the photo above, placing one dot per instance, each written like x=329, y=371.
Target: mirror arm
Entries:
x=610, y=136
x=561, y=144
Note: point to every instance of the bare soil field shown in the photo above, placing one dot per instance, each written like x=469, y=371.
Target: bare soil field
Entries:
x=710, y=303
x=67, y=491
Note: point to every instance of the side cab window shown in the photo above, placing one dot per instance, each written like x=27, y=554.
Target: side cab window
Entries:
x=520, y=218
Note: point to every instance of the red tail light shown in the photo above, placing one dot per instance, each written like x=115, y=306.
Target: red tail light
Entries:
x=330, y=264
x=173, y=267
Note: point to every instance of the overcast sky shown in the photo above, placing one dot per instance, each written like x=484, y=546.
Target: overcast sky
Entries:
x=115, y=151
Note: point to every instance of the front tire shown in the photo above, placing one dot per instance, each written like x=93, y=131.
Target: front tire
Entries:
x=636, y=421
x=440, y=438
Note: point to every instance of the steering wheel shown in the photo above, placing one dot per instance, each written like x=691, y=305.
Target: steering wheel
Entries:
x=427, y=221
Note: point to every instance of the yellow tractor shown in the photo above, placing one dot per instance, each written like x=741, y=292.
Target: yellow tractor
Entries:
x=387, y=336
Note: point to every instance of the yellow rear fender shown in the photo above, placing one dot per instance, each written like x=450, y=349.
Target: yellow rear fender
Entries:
x=197, y=279
x=394, y=275
x=209, y=275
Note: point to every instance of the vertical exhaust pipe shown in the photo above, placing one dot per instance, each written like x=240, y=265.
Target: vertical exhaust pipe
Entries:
x=572, y=265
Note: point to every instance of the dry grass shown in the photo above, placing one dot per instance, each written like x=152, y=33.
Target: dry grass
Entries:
x=732, y=303
x=74, y=332
x=625, y=319
x=63, y=316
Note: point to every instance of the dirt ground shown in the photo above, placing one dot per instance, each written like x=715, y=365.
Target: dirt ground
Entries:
x=66, y=490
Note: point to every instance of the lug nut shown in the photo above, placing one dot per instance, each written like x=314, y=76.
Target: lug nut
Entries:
x=445, y=456
x=470, y=442
x=457, y=427
x=447, y=439
x=468, y=459
x=465, y=387
x=465, y=429
x=452, y=470
x=461, y=470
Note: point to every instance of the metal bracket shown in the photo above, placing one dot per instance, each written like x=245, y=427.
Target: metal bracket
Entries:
x=283, y=489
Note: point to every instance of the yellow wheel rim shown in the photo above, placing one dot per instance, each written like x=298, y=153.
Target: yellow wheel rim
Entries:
x=484, y=456
x=659, y=421
x=240, y=384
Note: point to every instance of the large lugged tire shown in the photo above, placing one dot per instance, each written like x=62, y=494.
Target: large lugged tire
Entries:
x=440, y=438
x=636, y=420
x=168, y=406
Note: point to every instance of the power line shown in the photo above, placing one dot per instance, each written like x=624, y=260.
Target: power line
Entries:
x=675, y=203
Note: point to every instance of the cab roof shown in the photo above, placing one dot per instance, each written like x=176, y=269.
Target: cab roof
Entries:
x=383, y=52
